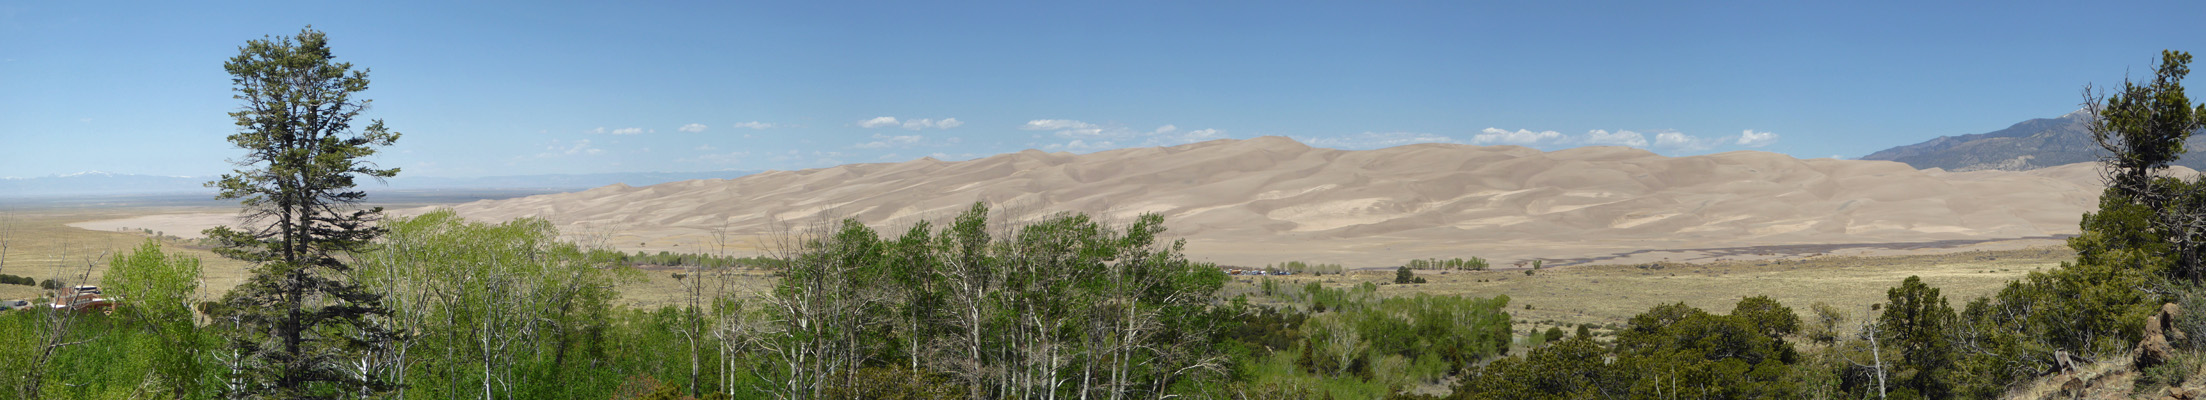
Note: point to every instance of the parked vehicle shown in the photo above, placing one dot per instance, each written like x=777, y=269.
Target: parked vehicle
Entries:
x=84, y=299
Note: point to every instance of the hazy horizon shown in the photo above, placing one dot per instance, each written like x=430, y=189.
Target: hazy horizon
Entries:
x=498, y=90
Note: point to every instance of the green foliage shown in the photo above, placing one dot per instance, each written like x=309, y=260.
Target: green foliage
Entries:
x=158, y=291
x=1299, y=267
x=1472, y=264
x=1916, y=321
x=505, y=303
x=2145, y=124
x=1670, y=351
x=1776, y=320
x=1061, y=297
x=50, y=284
x=1824, y=328
x=1364, y=346
x=7, y=279
x=1403, y=275
x=670, y=259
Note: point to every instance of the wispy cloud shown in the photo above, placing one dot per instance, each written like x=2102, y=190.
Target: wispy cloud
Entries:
x=1519, y=137
x=886, y=141
x=1673, y=140
x=729, y=158
x=1091, y=136
x=622, y=131
x=754, y=125
x=1375, y=140
x=820, y=158
x=1057, y=124
x=1665, y=140
x=924, y=123
x=1599, y=137
x=877, y=122
x=1080, y=145
x=1750, y=138
x=693, y=128
x=912, y=124
x=578, y=147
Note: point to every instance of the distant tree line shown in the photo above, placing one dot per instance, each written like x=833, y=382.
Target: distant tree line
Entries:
x=1472, y=264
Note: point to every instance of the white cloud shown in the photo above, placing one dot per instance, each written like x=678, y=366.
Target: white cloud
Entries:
x=1375, y=140
x=621, y=131
x=1672, y=139
x=1054, y=124
x=912, y=124
x=693, y=128
x=705, y=147
x=1750, y=138
x=877, y=122
x=1620, y=138
x=1167, y=138
x=1679, y=141
x=1089, y=136
x=754, y=125
x=728, y=158
x=579, y=147
x=886, y=141
x=1519, y=137
x=1077, y=144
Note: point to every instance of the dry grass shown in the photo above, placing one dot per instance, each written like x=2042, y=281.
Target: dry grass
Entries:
x=1611, y=294
x=41, y=245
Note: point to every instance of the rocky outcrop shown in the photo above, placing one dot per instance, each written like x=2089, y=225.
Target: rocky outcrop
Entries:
x=2157, y=347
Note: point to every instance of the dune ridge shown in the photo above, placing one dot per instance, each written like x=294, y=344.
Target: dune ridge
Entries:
x=1273, y=199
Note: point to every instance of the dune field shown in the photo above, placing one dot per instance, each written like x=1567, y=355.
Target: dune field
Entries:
x=1273, y=199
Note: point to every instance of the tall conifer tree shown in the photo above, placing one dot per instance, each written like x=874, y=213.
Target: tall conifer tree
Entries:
x=299, y=320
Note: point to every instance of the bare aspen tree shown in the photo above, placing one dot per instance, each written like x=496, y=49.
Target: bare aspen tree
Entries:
x=7, y=232
x=57, y=329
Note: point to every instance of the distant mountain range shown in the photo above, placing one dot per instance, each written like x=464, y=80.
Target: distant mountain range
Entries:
x=2033, y=144
x=109, y=184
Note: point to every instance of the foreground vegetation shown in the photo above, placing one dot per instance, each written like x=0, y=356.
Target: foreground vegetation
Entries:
x=342, y=303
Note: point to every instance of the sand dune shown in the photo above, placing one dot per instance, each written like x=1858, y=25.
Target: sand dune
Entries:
x=1273, y=199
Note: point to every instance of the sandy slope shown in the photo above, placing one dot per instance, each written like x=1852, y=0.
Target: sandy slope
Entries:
x=1272, y=199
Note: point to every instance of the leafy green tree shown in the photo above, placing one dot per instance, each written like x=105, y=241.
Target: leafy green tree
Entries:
x=299, y=319
x=1404, y=275
x=1915, y=320
x=1775, y=320
x=159, y=289
x=2143, y=127
x=484, y=303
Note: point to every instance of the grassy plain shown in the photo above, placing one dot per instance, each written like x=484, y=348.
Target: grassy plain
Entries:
x=1608, y=295
x=42, y=246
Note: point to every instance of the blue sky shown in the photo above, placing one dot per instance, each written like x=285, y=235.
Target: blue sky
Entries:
x=486, y=89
